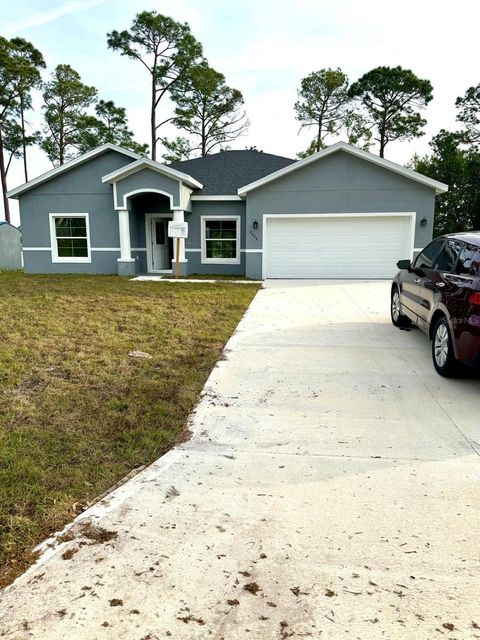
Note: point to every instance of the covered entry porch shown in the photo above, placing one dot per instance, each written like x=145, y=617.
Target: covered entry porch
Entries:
x=147, y=195
x=152, y=251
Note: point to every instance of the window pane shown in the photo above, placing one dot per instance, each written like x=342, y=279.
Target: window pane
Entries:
x=160, y=232
x=80, y=249
x=212, y=229
x=67, y=248
x=220, y=229
x=448, y=256
x=214, y=249
x=71, y=227
x=227, y=233
x=64, y=248
x=221, y=249
x=229, y=249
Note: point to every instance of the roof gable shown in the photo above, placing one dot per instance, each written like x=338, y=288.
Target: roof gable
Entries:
x=146, y=163
x=14, y=193
x=364, y=155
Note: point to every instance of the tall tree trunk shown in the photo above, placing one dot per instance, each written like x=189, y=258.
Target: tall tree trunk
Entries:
x=24, y=146
x=383, y=140
x=319, y=135
x=60, y=141
x=3, y=179
x=204, y=141
x=153, y=119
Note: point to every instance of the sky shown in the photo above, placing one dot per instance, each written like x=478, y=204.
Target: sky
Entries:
x=264, y=48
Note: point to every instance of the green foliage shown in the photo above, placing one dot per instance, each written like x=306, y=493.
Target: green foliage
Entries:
x=108, y=125
x=177, y=149
x=20, y=64
x=166, y=48
x=14, y=138
x=19, y=72
x=391, y=98
x=459, y=208
x=469, y=114
x=323, y=100
x=207, y=109
x=65, y=100
x=358, y=132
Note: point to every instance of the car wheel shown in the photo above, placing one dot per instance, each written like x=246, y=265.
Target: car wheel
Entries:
x=442, y=349
x=398, y=319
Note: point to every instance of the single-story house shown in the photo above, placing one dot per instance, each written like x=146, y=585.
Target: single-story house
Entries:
x=10, y=246
x=340, y=213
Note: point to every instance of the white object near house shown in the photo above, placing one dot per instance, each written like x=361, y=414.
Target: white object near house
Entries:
x=10, y=246
x=177, y=229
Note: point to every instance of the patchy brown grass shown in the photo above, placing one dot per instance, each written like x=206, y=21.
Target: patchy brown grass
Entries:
x=76, y=412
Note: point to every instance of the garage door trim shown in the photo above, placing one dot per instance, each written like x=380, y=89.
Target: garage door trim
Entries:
x=390, y=214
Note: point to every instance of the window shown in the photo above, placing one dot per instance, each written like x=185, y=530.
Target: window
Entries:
x=469, y=261
x=221, y=240
x=447, y=257
x=70, y=238
x=427, y=258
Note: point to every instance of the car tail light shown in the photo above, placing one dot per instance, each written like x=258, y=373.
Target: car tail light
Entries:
x=475, y=298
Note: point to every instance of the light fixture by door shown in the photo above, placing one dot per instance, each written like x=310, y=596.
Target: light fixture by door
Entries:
x=255, y=224
x=423, y=222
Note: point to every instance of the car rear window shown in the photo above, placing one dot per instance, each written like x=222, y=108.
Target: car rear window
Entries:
x=469, y=261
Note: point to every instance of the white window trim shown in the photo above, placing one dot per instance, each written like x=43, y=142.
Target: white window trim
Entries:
x=206, y=260
x=53, y=239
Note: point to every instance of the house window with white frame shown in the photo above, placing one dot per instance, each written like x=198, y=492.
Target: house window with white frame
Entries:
x=221, y=240
x=70, y=237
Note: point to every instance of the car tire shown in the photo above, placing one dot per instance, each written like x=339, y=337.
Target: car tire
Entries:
x=442, y=349
x=398, y=319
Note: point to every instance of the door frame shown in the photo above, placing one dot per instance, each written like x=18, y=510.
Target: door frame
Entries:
x=149, y=217
x=388, y=214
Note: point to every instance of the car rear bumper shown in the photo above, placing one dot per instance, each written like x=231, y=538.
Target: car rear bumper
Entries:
x=467, y=339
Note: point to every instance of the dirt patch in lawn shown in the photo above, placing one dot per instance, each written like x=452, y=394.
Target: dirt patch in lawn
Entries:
x=76, y=412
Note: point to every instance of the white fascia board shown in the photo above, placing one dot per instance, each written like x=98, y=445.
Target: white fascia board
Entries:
x=146, y=163
x=439, y=187
x=217, y=198
x=13, y=193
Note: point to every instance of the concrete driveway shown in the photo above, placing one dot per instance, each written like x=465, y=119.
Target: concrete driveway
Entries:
x=330, y=490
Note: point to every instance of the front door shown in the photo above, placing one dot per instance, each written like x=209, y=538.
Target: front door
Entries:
x=160, y=252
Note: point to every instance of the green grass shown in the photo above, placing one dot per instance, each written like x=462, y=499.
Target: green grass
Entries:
x=76, y=412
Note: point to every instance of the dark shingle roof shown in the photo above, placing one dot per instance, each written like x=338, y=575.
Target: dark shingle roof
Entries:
x=224, y=173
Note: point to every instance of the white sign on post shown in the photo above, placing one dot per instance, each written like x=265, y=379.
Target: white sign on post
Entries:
x=177, y=229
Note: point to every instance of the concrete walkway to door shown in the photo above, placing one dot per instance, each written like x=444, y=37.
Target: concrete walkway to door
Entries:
x=329, y=491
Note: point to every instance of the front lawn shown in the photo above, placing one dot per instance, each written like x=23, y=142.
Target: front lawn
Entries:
x=76, y=412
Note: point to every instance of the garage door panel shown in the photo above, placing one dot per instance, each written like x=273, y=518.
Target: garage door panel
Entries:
x=336, y=247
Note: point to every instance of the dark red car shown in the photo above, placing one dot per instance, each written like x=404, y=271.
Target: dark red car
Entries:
x=440, y=293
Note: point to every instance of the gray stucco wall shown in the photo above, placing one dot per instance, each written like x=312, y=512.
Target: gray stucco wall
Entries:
x=79, y=190
x=339, y=183
x=10, y=247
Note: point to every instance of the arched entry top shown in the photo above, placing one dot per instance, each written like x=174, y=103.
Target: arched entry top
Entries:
x=146, y=175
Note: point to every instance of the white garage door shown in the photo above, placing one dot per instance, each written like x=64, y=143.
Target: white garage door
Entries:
x=336, y=246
